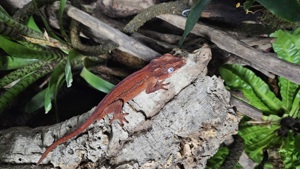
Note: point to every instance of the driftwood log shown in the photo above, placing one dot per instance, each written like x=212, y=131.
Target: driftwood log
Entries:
x=182, y=126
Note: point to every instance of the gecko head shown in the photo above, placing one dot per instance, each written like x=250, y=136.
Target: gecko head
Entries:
x=166, y=65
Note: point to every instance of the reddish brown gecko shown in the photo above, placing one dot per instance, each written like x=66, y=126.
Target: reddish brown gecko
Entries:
x=150, y=78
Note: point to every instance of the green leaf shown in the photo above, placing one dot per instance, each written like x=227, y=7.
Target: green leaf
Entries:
x=31, y=24
x=287, y=45
x=274, y=119
x=297, y=145
x=295, y=106
x=47, y=26
x=73, y=54
x=68, y=69
x=217, y=160
x=257, y=138
x=295, y=37
x=36, y=102
x=248, y=4
x=285, y=9
x=68, y=74
x=3, y=11
x=22, y=72
x=9, y=62
x=25, y=78
x=17, y=50
x=234, y=82
x=289, y=152
x=53, y=86
x=193, y=18
x=287, y=91
x=60, y=17
x=96, y=81
x=253, y=88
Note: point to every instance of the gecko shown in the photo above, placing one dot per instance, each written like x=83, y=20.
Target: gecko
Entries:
x=149, y=79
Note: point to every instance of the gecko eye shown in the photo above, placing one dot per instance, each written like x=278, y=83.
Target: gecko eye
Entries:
x=170, y=70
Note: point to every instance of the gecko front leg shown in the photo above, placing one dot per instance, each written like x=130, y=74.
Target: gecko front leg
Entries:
x=152, y=87
x=116, y=108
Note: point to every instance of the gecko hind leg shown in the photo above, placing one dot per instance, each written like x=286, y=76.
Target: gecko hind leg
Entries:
x=116, y=108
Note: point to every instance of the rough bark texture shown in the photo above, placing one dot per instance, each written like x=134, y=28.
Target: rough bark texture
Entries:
x=261, y=60
x=125, y=43
x=123, y=8
x=180, y=127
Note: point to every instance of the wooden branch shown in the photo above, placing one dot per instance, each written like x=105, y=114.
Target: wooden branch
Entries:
x=181, y=126
x=267, y=61
x=246, y=109
x=126, y=43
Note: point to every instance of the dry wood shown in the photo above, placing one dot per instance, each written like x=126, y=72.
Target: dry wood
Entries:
x=246, y=109
x=123, y=8
x=125, y=42
x=267, y=61
x=182, y=126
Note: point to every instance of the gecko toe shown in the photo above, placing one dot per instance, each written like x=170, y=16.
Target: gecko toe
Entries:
x=120, y=117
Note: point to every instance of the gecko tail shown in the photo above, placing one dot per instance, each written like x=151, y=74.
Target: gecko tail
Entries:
x=66, y=138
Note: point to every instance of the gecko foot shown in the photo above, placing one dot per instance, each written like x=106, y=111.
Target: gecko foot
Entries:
x=163, y=86
x=120, y=117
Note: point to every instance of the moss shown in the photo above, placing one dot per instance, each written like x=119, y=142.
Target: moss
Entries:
x=29, y=9
x=103, y=48
x=163, y=8
x=235, y=151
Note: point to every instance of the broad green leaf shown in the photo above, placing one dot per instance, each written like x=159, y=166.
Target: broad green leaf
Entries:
x=296, y=38
x=295, y=106
x=288, y=91
x=9, y=62
x=290, y=155
x=96, y=81
x=17, y=50
x=234, y=82
x=285, y=9
x=257, y=138
x=36, y=102
x=31, y=24
x=217, y=160
x=193, y=17
x=287, y=45
x=255, y=101
x=274, y=119
x=254, y=89
x=297, y=145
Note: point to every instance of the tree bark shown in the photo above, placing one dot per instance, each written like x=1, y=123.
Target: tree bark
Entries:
x=182, y=126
